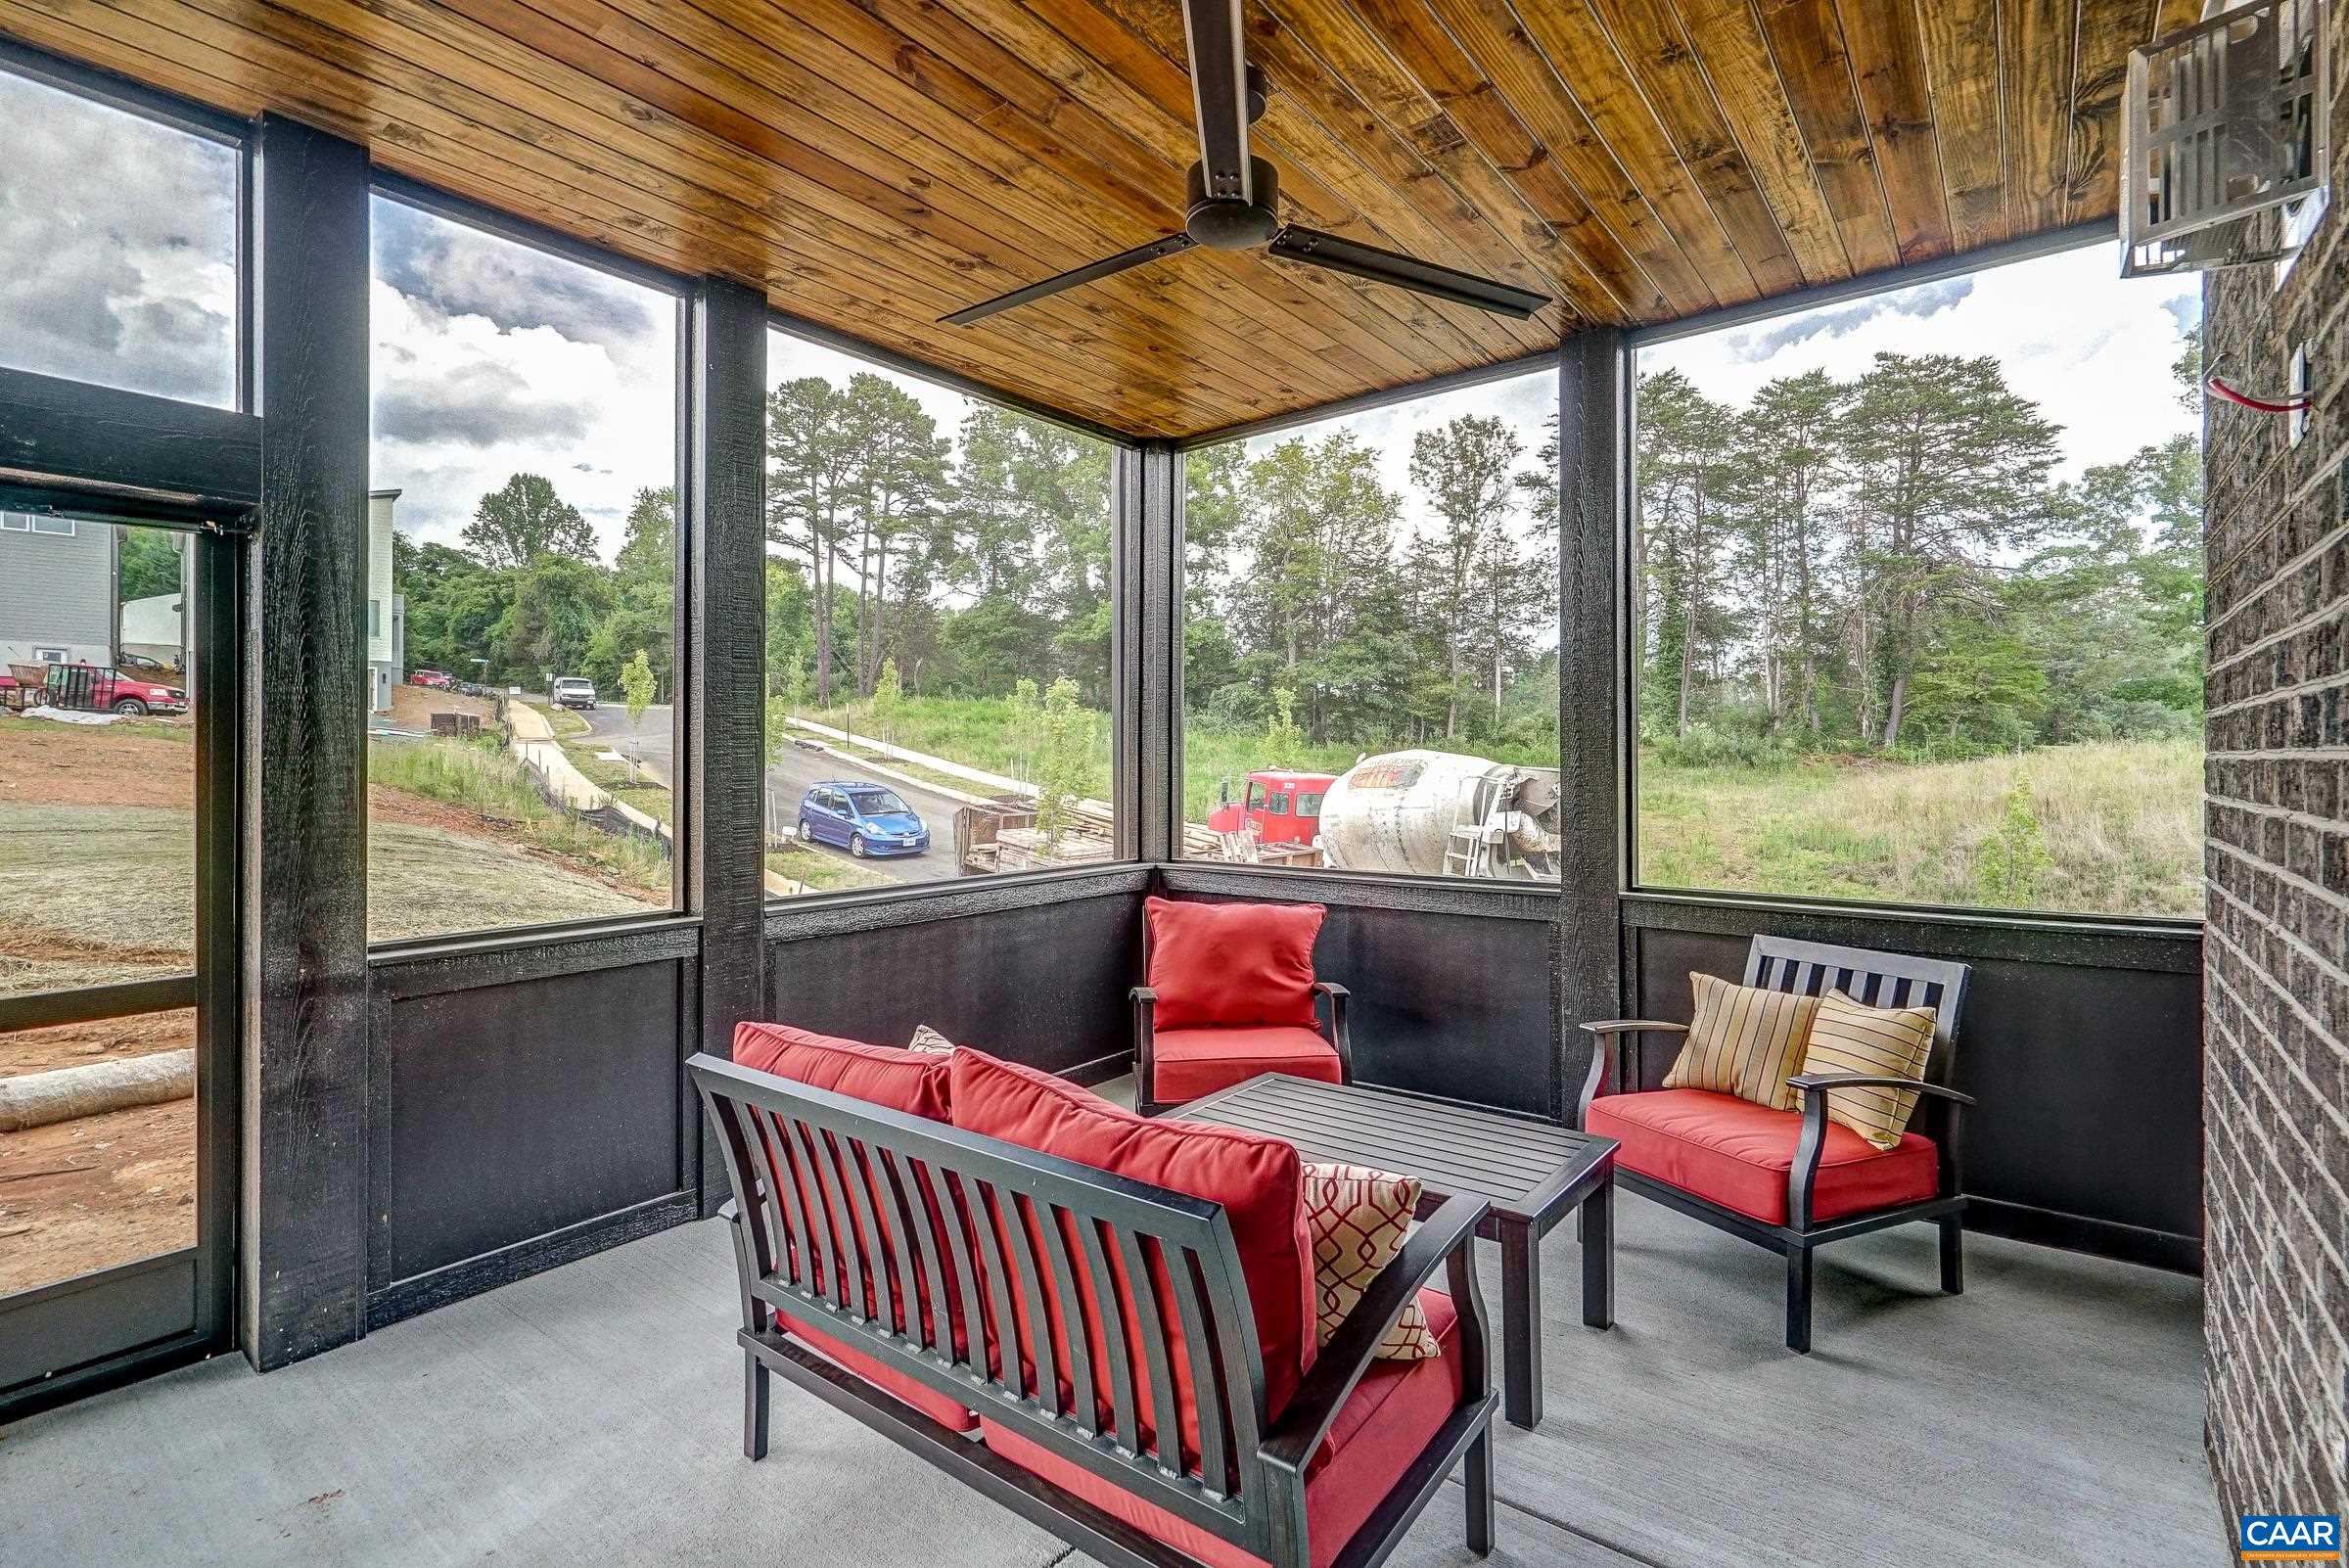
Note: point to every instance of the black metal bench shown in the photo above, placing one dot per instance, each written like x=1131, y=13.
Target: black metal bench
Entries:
x=918, y=1187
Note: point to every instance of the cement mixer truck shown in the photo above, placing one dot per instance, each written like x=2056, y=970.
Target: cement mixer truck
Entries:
x=1416, y=812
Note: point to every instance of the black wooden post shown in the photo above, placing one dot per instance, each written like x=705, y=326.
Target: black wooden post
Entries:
x=1592, y=698
x=723, y=683
x=303, y=1236
x=1146, y=488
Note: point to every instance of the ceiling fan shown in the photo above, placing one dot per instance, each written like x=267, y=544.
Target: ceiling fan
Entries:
x=1235, y=198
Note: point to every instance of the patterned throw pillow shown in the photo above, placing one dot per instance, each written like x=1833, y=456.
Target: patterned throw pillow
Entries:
x=1882, y=1041
x=1358, y=1219
x=1742, y=1041
x=930, y=1040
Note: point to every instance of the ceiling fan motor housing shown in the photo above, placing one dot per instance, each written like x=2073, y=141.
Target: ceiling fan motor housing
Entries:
x=1229, y=223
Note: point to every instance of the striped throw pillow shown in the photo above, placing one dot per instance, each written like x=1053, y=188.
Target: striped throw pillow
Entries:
x=1742, y=1041
x=930, y=1042
x=1358, y=1219
x=1882, y=1041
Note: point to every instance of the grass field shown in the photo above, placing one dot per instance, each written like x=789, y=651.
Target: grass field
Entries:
x=2107, y=827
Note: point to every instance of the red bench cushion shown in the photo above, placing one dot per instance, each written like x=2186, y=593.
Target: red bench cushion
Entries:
x=914, y=1081
x=1215, y=965
x=1192, y=1062
x=1736, y=1154
x=1394, y=1412
x=903, y=1081
x=1257, y=1179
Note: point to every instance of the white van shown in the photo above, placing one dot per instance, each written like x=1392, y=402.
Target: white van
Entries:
x=571, y=691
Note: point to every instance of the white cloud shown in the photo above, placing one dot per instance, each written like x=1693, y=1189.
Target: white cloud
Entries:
x=2092, y=350
x=117, y=247
x=463, y=399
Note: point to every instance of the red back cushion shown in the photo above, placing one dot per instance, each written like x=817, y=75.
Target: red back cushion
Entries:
x=903, y=1081
x=1215, y=965
x=1259, y=1182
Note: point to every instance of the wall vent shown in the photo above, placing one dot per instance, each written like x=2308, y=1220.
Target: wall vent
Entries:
x=2220, y=123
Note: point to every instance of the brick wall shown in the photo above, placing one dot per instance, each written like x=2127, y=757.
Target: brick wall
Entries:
x=2275, y=1079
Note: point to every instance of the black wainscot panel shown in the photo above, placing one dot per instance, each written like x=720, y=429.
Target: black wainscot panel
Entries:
x=507, y=1112
x=1042, y=984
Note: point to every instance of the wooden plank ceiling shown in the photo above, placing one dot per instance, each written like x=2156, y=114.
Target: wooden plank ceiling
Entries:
x=876, y=163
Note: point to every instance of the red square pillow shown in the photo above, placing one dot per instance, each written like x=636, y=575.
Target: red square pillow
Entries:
x=1257, y=1179
x=1220, y=965
x=903, y=1081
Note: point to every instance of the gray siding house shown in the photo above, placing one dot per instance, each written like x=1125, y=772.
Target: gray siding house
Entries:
x=57, y=591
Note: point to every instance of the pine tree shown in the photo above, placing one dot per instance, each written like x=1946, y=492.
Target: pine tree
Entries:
x=1952, y=467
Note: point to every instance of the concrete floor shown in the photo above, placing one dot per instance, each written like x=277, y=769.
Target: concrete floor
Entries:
x=2052, y=1416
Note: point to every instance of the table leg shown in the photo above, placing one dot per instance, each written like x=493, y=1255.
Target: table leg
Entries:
x=1520, y=1325
x=1598, y=1256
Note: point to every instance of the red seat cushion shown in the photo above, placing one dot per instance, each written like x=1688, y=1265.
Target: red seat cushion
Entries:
x=1259, y=1182
x=914, y=1081
x=1394, y=1412
x=1215, y=965
x=1192, y=1062
x=1736, y=1154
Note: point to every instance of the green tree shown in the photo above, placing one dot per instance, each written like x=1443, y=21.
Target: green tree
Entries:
x=523, y=520
x=455, y=606
x=644, y=587
x=636, y=683
x=809, y=477
x=1950, y=468
x=1284, y=741
x=1476, y=597
x=557, y=606
x=1683, y=449
x=2011, y=867
x=888, y=700
x=146, y=563
x=1064, y=760
x=896, y=484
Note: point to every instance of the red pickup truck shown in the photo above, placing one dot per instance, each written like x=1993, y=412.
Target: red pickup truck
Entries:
x=90, y=686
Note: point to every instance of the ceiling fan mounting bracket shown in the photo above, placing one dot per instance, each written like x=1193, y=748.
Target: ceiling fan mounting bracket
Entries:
x=1228, y=222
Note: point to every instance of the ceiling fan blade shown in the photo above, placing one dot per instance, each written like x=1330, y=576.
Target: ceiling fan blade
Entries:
x=1171, y=245
x=1297, y=243
x=1220, y=94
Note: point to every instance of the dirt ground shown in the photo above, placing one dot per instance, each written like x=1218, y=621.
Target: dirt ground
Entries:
x=80, y=1196
x=413, y=706
x=96, y=835
x=152, y=762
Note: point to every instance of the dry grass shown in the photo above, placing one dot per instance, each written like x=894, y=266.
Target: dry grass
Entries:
x=2117, y=824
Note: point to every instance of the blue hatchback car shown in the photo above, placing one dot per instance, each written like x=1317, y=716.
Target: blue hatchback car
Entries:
x=862, y=818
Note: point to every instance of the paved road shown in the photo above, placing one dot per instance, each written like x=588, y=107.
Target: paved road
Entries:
x=788, y=779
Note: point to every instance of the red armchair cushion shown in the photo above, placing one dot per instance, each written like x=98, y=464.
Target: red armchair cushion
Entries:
x=1392, y=1413
x=1215, y=965
x=1257, y=1179
x=1736, y=1154
x=913, y=1082
x=1192, y=1062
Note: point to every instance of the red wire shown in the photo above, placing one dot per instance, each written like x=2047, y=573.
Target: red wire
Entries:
x=2293, y=405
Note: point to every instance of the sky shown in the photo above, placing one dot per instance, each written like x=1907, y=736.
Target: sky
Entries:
x=2092, y=350
x=493, y=358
